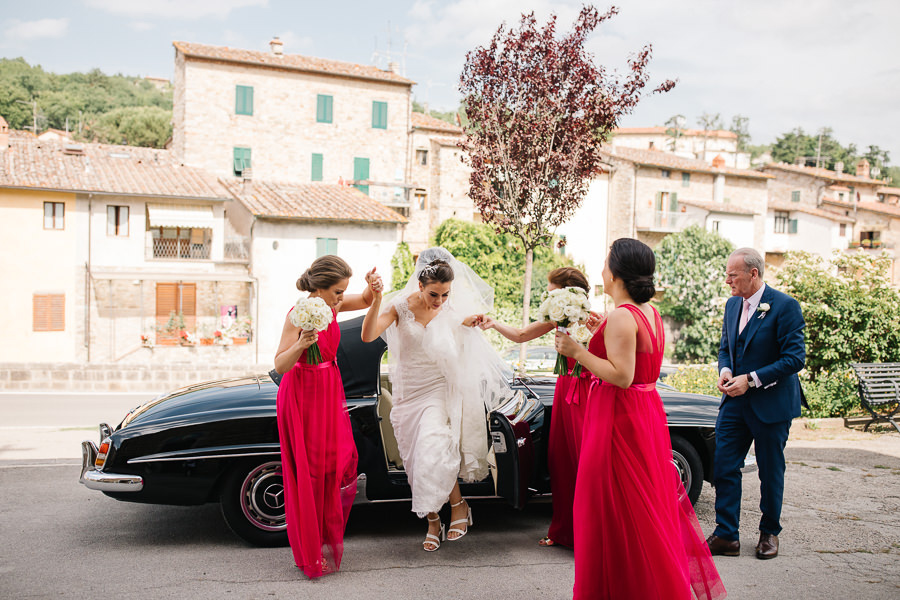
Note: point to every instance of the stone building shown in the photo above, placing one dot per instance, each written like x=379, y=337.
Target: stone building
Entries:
x=113, y=252
x=292, y=118
x=820, y=210
x=289, y=225
x=690, y=143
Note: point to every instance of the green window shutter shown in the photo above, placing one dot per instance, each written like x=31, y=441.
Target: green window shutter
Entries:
x=243, y=101
x=361, y=173
x=685, y=179
x=326, y=246
x=673, y=202
x=324, y=106
x=795, y=196
x=659, y=201
x=379, y=115
x=792, y=226
x=241, y=160
x=317, y=161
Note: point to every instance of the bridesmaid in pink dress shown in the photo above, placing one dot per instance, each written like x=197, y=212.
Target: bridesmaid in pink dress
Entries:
x=318, y=454
x=636, y=534
x=567, y=419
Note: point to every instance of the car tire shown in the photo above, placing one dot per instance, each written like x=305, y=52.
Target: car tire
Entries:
x=252, y=500
x=690, y=467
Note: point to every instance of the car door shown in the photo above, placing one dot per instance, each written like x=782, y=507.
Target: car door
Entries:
x=510, y=429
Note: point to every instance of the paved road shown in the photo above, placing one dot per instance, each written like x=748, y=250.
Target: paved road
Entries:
x=59, y=539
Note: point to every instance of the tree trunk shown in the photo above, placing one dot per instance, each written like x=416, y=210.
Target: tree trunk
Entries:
x=526, y=304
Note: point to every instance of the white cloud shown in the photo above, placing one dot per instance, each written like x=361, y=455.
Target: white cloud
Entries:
x=32, y=30
x=141, y=25
x=174, y=9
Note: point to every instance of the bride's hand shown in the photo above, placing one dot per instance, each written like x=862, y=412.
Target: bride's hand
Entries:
x=565, y=345
x=472, y=320
x=486, y=322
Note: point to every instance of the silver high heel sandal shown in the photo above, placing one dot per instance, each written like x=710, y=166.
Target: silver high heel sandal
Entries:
x=467, y=521
x=434, y=540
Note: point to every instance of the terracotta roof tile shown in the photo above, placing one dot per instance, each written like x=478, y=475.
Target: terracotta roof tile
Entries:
x=102, y=168
x=712, y=133
x=810, y=210
x=880, y=207
x=842, y=203
x=717, y=207
x=423, y=121
x=889, y=191
x=822, y=173
x=310, y=202
x=667, y=160
x=293, y=62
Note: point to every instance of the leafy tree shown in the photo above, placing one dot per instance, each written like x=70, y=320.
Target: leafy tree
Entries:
x=894, y=174
x=538, y=108
x=135, y=125
x=850, y=308
x=690, y=265
x=878, y=158
x=709, y=122
x=402, y=266
x=796, y=147
x=449, y=116
x=674, y=130
x=740, y=127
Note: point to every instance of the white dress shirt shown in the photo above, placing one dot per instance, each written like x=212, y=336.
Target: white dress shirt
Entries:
x=754, y=301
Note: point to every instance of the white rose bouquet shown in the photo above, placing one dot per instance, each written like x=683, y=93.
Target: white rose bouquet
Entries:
x=565, y=307
x=309, y=314
x=582, y=335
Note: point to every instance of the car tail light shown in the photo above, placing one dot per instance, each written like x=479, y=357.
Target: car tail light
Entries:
x=101, y=454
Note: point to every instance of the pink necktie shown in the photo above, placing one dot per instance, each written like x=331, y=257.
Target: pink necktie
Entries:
x=745, y=316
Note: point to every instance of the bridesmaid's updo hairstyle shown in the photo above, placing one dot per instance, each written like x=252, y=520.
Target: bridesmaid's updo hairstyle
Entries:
x=325, y=272
x=437, y=271
x=634, y=263
x=568, y=277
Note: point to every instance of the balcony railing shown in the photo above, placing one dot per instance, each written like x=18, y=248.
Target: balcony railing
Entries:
x=237, y=249
x=178, y=249
x=666, y=221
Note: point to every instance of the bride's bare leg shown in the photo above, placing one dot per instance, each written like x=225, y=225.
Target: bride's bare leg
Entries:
x=460, y=511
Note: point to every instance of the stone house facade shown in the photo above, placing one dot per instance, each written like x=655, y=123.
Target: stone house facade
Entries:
x=825, y=210
x=691, y=143
x=115, y=240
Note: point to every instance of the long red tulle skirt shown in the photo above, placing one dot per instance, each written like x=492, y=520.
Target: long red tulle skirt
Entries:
x=636, y=532
x=563, y=449
x=318, y=458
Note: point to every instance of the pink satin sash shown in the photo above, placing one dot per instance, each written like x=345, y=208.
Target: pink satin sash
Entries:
x=321, y=365
x=637, y=387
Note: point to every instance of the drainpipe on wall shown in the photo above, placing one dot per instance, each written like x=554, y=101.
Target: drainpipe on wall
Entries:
x=87, y=284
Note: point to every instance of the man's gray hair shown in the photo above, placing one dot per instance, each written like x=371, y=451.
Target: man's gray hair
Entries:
x=752, y=259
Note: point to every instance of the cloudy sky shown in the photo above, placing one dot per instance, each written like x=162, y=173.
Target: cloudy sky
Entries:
x=782, y=63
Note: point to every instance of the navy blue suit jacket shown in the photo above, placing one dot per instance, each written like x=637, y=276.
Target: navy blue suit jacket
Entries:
x=774, y=347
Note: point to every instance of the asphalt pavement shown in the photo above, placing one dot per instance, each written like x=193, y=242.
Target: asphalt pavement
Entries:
x=841, y=538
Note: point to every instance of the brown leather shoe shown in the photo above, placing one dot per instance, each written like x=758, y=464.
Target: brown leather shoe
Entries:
x=767, y=547
x=722, y=547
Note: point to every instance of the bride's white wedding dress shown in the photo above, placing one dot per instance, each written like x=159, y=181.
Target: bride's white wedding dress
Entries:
x=439, y=394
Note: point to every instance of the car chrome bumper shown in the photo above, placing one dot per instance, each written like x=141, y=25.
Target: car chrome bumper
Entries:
x=102, y=481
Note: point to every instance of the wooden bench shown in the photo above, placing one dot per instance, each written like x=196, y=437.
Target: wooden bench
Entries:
x=879, y=391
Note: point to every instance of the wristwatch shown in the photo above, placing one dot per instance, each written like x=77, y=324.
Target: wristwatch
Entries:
x=750, y=381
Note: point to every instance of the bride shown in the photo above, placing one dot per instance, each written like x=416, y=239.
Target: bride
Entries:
x=444, y=374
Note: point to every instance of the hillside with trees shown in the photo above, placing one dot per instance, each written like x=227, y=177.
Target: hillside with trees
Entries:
x=94, y=107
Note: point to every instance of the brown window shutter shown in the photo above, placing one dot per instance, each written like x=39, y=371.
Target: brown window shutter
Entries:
x=189, y=305
x=49, y=312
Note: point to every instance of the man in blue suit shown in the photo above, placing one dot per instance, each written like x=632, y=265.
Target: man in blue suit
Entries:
x=761, y=352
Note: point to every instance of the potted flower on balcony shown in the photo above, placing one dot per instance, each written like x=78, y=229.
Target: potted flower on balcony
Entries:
x=241, y=330
x=866, y=243
x=188, y=338
x=853, y=245
x=876, y=243
x=205, y=333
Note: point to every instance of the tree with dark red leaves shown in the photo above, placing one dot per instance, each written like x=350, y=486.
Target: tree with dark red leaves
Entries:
x=538, y=110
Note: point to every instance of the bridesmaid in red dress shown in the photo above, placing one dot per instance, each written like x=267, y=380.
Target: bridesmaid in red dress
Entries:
x=567, y=419
x=318, y=455
x=636, y=534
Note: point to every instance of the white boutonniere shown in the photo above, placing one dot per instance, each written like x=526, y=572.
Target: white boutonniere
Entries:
x=762, y=309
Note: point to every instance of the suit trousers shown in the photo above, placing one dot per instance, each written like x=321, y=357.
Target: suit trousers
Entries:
x=736, y=427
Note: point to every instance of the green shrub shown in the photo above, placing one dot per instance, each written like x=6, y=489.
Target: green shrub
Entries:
x=695, y=379
x=830, y=394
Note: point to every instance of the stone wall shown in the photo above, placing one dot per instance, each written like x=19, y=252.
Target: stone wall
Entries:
x=144, y=379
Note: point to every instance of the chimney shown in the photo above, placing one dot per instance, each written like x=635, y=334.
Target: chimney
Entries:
x=246, y=182
x=277, y=46
x=718, y=162
x=839, y=167
x=394, y=67
x=862, y=168
x=4, y=134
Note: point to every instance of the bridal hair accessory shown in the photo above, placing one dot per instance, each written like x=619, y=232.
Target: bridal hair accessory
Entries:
x=429, y=270
x=309, y=314
x=565, y=307
x=762, y=309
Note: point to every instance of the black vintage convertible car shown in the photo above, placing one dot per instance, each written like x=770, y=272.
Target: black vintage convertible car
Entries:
x=218, y=441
